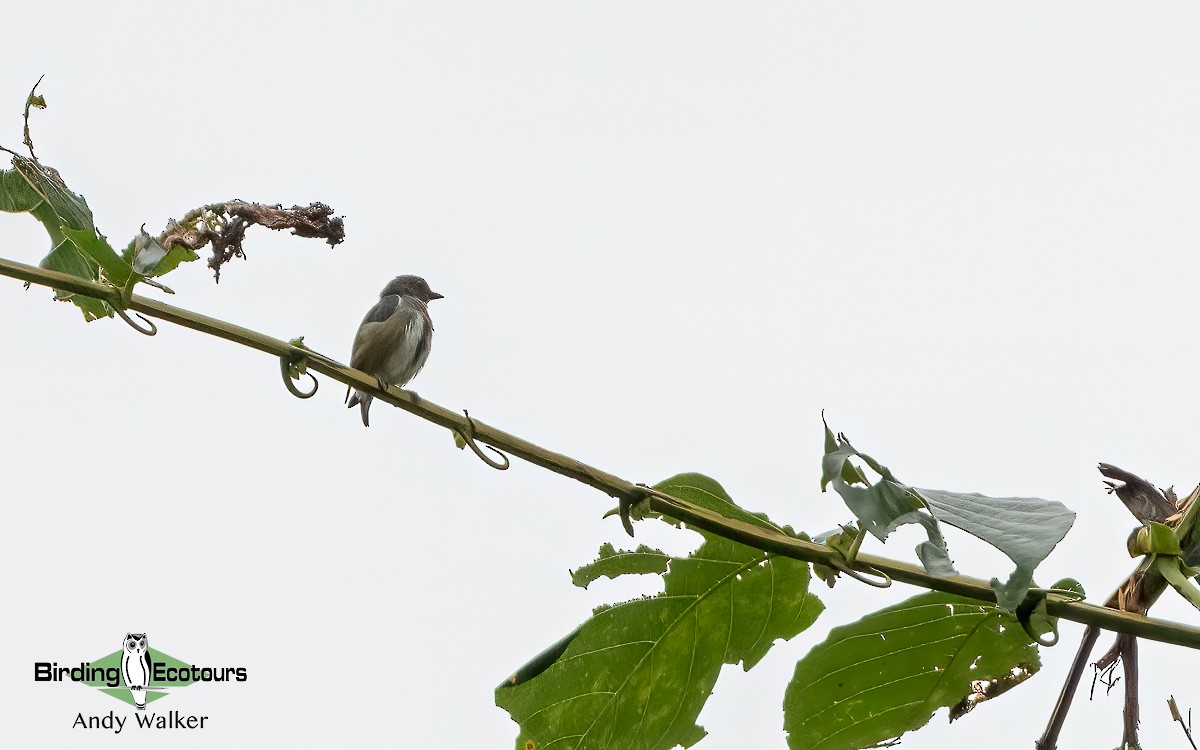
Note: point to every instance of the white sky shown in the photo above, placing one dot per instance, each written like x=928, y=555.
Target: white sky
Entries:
x=668, y=234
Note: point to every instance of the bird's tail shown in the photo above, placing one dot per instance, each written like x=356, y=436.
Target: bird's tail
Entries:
x=363, y=402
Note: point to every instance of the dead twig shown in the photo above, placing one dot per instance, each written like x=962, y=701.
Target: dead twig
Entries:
x=224, y=225
x=1133, y=711
x=33, y=100
x=1049, y=738
x=1187, y=726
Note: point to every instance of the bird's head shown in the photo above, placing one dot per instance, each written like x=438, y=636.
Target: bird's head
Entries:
x=410, y=286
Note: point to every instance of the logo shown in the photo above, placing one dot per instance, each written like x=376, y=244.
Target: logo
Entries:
x=137, y=675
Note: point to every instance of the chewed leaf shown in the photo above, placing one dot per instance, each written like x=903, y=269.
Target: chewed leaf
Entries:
x=985, y=690
x=1027, y=529
x=613, y=562
x=71, y=208
x=887, y=673
x=933, y=554
x=884, y=506
x=637, y=674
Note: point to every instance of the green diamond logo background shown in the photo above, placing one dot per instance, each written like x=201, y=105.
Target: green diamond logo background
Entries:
x=123, y=693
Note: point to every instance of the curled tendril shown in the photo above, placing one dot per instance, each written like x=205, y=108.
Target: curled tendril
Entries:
x=1069, y=594
x=285, y=369
x=149, y=331
x=1043, y=641
x=860, y=571
x=1048, y=634
x=624, y=504
x=1040, y=637
x=468, y=437
x=864, y=574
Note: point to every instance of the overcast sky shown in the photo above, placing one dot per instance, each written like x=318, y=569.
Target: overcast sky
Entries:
x=668, y=236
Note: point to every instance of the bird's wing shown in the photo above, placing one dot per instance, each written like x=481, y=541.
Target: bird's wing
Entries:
x=394, y=348
x=383, y=309
x=369, y=331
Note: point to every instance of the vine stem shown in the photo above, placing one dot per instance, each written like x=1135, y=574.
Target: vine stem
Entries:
x=767, y=540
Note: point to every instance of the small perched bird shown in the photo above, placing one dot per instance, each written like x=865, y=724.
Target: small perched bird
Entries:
x=393, y=341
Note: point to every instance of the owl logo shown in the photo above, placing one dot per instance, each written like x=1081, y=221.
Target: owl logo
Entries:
x=135, y=667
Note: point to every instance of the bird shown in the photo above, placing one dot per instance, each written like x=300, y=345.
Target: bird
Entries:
x=393, y=340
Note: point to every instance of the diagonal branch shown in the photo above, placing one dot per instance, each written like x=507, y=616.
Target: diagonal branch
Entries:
x=768, y=540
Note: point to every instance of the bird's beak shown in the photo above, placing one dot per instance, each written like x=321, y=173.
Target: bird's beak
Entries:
x=435, y=295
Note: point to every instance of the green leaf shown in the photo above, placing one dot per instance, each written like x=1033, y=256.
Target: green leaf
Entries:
x=1071, y=585
x=116, y=271
x=58, y=208
x=175, y=256
x=1027, y=529
x=52, y=223
x=637, y=674
x=884, y=506
x=71, y=208
x=613, y=562
x=542, y=661
x=1154, y=538
x=1173, y=570
x=880, y=506
x=1037, y=620
x=887, y=673
x=709, y=494
x=66, y=258
x=16, y=195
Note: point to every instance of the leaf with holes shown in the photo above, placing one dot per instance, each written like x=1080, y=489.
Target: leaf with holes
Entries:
x=884, y=506
x=613, y=562
x=637, y=674
x=886, y=674
x=1027, y=529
